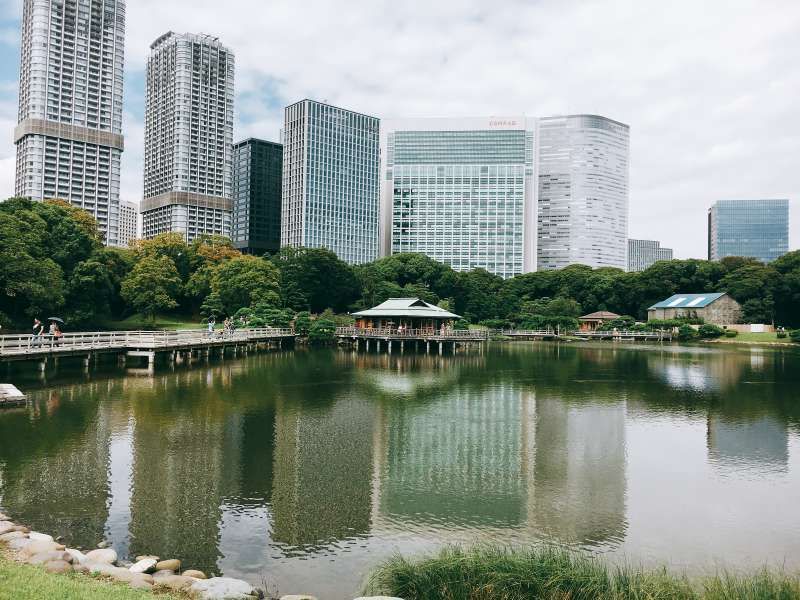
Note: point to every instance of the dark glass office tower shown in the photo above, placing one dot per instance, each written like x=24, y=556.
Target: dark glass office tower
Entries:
x=257, y=171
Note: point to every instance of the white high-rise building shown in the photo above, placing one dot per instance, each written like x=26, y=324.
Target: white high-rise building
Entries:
x=330, y=195
x=69, y=133
x=188, y=144
x=643, y=254
x=583, y=192
x=128, y=223
x=461, y=191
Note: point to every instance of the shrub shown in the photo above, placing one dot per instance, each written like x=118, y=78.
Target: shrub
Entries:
x=731, y=333
x=462, y=324
x=686, y=333
x=322, y=331
x=302, y=323
x=795, y=336
x=781, y=334
x=709, y=331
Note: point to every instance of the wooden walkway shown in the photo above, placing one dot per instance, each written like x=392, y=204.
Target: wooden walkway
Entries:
x=531, y=334
x=133, y=343
x=657, y=336
x=416, y=338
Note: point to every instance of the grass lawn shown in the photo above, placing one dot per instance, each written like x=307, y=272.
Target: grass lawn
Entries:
x=487, y=573
x=26, y=582
x=138, y=321
x=764, y=338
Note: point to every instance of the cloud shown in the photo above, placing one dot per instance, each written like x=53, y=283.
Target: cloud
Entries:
x=709, y=89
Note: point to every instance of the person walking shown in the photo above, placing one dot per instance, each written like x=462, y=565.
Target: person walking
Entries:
x=38, y=330
x=211, y=323
x=57, y=334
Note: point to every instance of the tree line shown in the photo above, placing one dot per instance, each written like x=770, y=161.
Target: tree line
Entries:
x=53, y=262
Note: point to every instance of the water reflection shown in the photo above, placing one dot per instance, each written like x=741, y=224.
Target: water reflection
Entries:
x=276, y=462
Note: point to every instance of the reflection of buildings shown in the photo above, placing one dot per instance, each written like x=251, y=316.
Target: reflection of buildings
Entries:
x=699, y=370
x=323, y=472
x=760, y=441
x=579, y=471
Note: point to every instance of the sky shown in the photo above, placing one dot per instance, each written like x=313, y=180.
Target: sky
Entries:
x=710, y=89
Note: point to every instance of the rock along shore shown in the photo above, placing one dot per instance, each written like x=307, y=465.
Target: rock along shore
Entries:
x=149, y=572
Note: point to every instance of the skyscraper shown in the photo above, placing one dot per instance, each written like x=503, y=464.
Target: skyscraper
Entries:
x=330, y=180
x=257, y=168
x=69, y=133
x=754, y=228
x=644, y=253
x=583, y=192
x=188, y=137
x=462, y=192
x=128, y=223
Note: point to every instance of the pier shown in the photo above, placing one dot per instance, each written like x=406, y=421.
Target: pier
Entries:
x=10, y=396
x=176, y=346
x=394, y=339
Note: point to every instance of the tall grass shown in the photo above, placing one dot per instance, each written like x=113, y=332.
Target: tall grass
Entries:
x=551, y=573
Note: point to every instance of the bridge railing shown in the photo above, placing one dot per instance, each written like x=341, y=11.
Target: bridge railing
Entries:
x=528, y=332
x=101, y=340
x=383, y=333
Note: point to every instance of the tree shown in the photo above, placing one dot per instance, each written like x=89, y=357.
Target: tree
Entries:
x=302, y=323
x=245, y=280
x=322, y=331
x=152, y=285
x=315, y=279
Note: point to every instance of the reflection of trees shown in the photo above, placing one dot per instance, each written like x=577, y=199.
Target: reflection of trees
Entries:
x=737, y=443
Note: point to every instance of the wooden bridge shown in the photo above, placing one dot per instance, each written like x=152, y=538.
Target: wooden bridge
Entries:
x=415, y=338
x=530, y=334
x=176, y=345
x=658, y=336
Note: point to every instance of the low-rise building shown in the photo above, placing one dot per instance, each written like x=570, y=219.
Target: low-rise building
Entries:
x=406, y=313
x=717, y=308
x=593, y=321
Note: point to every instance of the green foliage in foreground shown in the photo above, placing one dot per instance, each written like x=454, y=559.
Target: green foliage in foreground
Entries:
x=484, y=573
x=795, y=336
x=25, y=582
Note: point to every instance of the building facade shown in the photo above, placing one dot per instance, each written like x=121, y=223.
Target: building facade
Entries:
x=753, y=228
x=330, y=196
x=717, y=308
x=128, y=223
x=462, y=191
x=583, y=165
x=188, y=140
x=644, y=253
x=69, y=133
x=257, y=169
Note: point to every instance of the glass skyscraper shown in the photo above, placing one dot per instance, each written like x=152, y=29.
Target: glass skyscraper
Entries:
x=461, y=191
x=188, y=137
x=753, y=228
x=257, y=169
x=69, y=132
x=583, y=192
x=330, y=196
x=644, y=253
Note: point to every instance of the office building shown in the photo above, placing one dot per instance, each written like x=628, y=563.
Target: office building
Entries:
x=753, y=228
x=462, y=191
x=330, y=195
x=257, y=168
x=69, y=132
x=188, y=138
x=128, y=223
x=583, y=192
x=644, y=253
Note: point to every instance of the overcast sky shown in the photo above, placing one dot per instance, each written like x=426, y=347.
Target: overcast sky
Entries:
x=711, y=89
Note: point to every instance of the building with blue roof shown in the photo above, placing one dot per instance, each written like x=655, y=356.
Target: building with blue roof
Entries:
x=717, y=308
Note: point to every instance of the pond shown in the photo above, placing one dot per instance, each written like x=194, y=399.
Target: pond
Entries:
x=303, y=469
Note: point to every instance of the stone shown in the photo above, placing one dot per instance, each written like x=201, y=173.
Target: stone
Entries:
x=143, y=556
x=126, y=576
x=194, y=573
x=223, y=588
x=140, y=584
x=77, y=555
x=163, y=573
x=39, y=546
x=13, y=535
x=172, y=564
x=41, y=537
x=104, y=555
x=143, y=566
x=298, y=597
x=7, y=526
x=378, y=598
x=43, y=557
x=90, y=566
x=57, y=566
x=174, y=582
x=102, y=544
x=19, y=544
x=4, y=517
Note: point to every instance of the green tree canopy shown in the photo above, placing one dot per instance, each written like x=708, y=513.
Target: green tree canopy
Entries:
x=315, y=279
x=246, y=280
x=152, y=285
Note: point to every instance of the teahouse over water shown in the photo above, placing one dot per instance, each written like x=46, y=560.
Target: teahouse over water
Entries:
x=408, y=313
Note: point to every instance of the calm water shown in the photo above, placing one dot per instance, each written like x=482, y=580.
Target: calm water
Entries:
x=304, y=469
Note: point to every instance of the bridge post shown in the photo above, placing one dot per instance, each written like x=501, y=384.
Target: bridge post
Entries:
x=43, y=364
x=402, y=347
x=379, y=346
x=367, y=345
x=440, y=347
x=390, y=346
x=120, y=360
x=86, y=361
x=427, y=346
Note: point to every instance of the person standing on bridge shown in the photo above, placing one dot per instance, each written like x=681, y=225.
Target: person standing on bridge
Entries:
x=38, y=330
x=211, y=323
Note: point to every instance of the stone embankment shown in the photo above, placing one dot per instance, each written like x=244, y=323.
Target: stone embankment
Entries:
x=147, y=573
